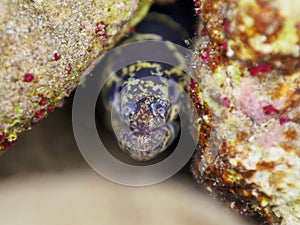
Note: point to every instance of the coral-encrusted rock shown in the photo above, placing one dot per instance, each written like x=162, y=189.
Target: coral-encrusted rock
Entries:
x=257, y=31
x=46, y=46
x=249, y=117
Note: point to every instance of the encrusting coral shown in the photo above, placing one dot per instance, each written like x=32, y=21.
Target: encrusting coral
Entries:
x=247, y=65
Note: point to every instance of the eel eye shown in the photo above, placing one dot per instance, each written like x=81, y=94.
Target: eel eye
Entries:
x=159, y=109
x=128, y=109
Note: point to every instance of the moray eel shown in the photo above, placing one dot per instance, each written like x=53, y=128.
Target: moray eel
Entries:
x=144, y=98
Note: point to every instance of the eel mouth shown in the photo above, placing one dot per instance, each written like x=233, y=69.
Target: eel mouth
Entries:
x=143, y=132
x=143, y=145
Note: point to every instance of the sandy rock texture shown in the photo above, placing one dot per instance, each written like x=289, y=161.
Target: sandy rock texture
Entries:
x=47, y=46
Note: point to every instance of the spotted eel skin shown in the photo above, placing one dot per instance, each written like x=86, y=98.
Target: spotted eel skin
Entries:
x=144, y=98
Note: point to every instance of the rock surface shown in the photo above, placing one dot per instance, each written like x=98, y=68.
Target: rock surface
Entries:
x=47, y=46
x=249, y=105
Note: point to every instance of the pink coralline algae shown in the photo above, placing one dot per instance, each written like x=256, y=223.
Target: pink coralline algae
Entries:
x=225, y=46
x=69, y=68
x=28, y=77
x=5, y=144
x=203, y=31
x=256, y=70
x=56, y=56
x=101, y=30
x=40, y=114
x=283, y=120
x=225, y=102
x=226, y=26
x=269, y=109
x=206, y=56
x=2, y=136
x=197, y=5
x=43, y=101
x=192, y=84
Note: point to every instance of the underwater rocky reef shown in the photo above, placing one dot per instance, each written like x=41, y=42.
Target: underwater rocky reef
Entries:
x=246, y=91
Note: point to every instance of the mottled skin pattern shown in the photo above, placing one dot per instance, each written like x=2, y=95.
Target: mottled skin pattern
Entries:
x=145, y=102
x=145, y=97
